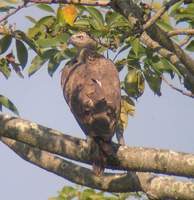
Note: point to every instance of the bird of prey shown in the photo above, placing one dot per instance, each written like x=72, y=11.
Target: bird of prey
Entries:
x=91, y=88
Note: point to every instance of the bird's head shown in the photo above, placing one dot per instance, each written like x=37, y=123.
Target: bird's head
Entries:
x=82, y=40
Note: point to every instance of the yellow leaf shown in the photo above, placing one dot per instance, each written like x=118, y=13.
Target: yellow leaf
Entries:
x=67, y=14
x=127, y=108
x=134, y=83
x=157, y=6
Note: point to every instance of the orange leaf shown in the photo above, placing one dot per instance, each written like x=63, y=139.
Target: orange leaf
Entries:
x=67, y=14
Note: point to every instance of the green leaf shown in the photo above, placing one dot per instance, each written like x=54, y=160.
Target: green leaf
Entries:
x=96, y=19
x=4, y=68
x=22, y=36
x=96, y=14
x=53, y=41
x=120, y=64
x=175, y=7
x=160, y=65
x=70, y=52
x=4, y=101
x=136, y=46
x=48, y=42
x=190, y=46
x=168, y=66
x=87, y=193
x=41, y=28
x=46, y=7
x=31, y=19
x=82, y=23
x=39, y=61
x=134, y=83
x=114, y=19
x=54, y=62
x=46, y=21
x=36, y=64
x=154, y=81
x=52, y=66
x=22, y=53
x=5, y=42
x=67, y=193
x=165, y=25
x=6, y=8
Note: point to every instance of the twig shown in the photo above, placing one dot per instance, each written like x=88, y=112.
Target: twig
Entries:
x=98, y=41
x=181, y=31
x=13, y=12
x=185, y=41
x=115, y=57
x=188, y=94
x=82, y=2
x=159, y=13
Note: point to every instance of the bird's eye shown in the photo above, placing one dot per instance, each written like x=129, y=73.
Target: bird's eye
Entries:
x=80, y=37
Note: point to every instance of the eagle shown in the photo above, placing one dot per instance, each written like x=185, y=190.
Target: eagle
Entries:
x=91, y=88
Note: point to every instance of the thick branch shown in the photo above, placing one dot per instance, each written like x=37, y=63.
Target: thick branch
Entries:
x=154, y=186
x=125, y=158
x=72, y=172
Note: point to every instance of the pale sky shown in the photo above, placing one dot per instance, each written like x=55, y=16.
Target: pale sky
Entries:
x=162, y=122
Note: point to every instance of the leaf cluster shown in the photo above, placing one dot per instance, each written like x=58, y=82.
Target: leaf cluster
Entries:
x=75, y=193
x=48, y=37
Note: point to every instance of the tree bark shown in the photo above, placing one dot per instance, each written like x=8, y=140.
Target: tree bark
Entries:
x=38, y=144
x=124, y=157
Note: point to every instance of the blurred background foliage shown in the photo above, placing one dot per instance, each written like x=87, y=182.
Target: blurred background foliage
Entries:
x=80, y=193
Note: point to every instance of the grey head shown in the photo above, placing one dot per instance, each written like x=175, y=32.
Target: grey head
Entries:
x=82, y=40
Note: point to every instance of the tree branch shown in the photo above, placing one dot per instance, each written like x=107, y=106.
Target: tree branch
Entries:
x=3, y=18
x=154, y=186
x=82, y=2
x=72, y=172
x=124, y=158
x=101, y=3
x=159, y=13
x=188, y=94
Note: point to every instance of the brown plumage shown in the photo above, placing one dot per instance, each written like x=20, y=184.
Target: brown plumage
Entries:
x=91, y=88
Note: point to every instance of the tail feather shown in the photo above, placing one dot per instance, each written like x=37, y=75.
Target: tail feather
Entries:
x=99, y=151
x=98, y=164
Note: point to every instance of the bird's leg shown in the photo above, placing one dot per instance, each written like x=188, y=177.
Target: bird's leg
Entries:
x=90, y=142
x=96, y=155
